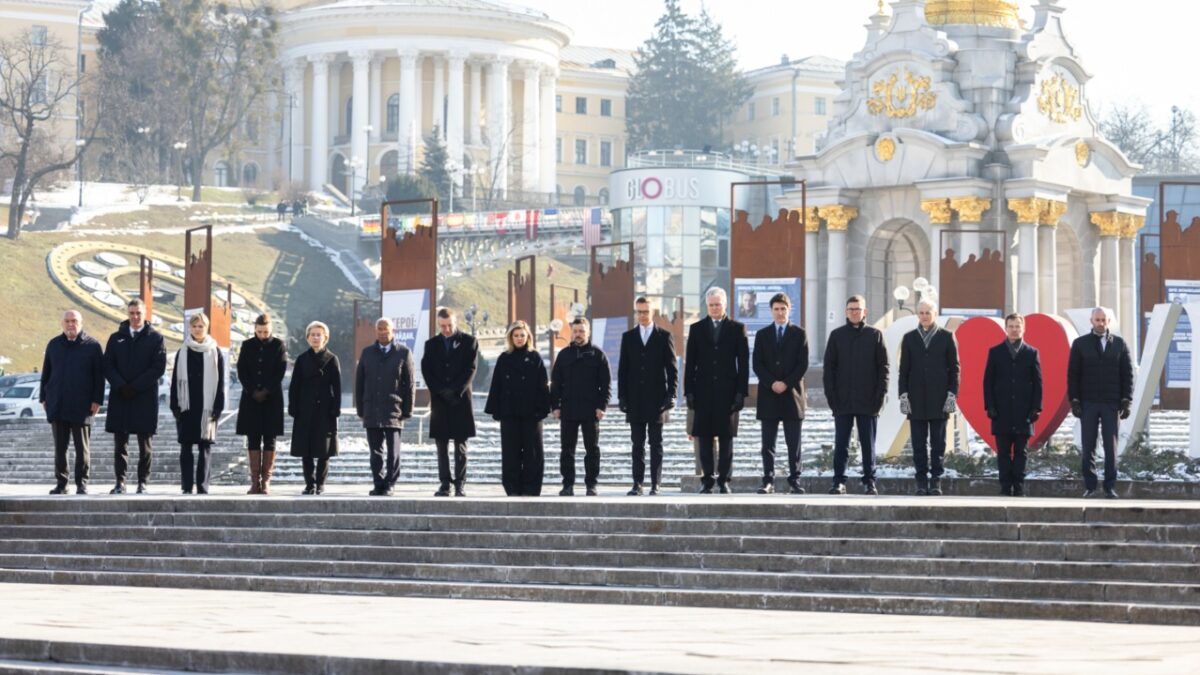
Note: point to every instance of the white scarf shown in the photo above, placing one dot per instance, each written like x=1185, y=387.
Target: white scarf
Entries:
x=208, y=428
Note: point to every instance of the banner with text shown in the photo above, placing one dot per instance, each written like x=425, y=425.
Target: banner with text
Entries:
x=752, y=305
x=409, y=312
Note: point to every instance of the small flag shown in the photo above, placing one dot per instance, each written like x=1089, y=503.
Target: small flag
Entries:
x=591, y=230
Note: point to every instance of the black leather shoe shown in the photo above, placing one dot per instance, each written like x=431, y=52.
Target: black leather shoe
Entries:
x=705, y=490
x=443, y=491
x=60, y=490
x=1005, y=491
x=118, y=489
x=188, y=491
x=653, y=491
x=1110, y=493
x=458, y=491
x=141, y=488
x=635, y=491
x=567, y=491
x=387, y=492
x=766, y=489
x=309, y=490
x=81, y=489
x=723, y=488
x=1089, y=493
x=1018, y=491
x=795, y=489
x=320, y=489
x=869, y=489
x=935, y=487
x=922, y=492
x=591, y=491
x=375, y=492
x=838, y=489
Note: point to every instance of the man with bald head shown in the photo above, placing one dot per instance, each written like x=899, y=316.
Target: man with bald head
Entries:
x=71, y=393
x=1100, y=387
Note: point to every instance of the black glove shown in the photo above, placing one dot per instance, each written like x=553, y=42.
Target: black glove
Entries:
x=1125, y=408
x=1076, y=408
x=992, y=414
x=260, y=395
x=691, y=401
x=667, y=404
x=127, y=391
x=216, y=417
x=622, y=405
x=1033, y=416
x=739, y=401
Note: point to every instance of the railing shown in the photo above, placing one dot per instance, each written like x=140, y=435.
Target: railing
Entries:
x=697, y=159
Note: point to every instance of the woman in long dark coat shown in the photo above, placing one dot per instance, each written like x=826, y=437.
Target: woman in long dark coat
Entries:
x=314, y=403
x=197, y=400
x=520, y=399
x=261, y=365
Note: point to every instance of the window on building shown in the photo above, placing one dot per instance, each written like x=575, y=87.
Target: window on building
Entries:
x=581, y=151
x=775, y=107
x=349, y=114
x=605, y=153
x=41, y=89
x=819, y=105
x=250, y=174
x=606, y=107
x=37, y=36
x=251, y=129
x=558, y=150
x=83, y=63
x=393, y=113
x=580, y=105
x=580, y=195
x=558, y=103
x=750, y=111
x=603, y=195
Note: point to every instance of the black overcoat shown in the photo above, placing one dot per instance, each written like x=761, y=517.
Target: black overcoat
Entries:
x=1012, y=389
x=1100, y=377
x=314, y=403
x=856, y=370
x=72, y=379
x=928, y=374
x=188, y=423
x=384, y=386
x=449, y=375
x=785, y=362
x=580, y=382
x=714, y=373
x=647, y=376
x=519, y=387
x=261, y=365
x=139, y=362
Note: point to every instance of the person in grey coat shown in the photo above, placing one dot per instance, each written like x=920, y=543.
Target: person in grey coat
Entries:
x=71, y=393
x=384, y=389
x=928, y=393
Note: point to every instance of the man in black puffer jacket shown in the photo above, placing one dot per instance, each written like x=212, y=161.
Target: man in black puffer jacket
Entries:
x=856, y=380
x=580, y=386
x=1100, y=386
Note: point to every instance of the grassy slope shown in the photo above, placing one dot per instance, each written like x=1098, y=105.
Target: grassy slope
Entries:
x=489, y=289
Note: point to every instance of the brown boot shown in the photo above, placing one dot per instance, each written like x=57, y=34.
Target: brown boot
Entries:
x=255, y=472
x=268, y=465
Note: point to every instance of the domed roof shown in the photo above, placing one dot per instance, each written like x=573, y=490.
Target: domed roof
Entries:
x=994, y=13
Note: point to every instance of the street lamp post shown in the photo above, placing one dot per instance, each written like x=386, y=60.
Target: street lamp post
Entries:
x=354, y=162
x=79, y=167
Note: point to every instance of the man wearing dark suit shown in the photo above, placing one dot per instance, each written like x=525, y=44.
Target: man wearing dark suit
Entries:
x=647, y=378
x=856, y=381
x=1100, y=388
x=716, y=381
x=928, y=393
x=448, y=366
x=135, y=358
x=580, y=386
x=1012, y=396
x=71, y=393
x=384, y=389
x=780, y=362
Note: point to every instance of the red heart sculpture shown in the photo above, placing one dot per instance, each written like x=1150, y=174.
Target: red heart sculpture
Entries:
x=1051, y=336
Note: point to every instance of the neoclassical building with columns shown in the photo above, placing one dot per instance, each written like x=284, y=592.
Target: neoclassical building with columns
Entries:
x=962, y=132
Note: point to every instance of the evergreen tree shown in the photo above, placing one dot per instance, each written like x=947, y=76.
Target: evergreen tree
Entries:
x=406, y=186
x=686, y=83
x=434, y=163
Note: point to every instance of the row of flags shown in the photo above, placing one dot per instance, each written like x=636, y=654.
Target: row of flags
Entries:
x=591, y=220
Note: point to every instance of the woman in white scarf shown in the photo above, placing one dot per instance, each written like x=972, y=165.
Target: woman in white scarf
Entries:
x=197, y=400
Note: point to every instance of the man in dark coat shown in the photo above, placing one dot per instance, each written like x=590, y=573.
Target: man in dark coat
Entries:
x=71, y=393
x=780, y=362
x=580, y=386
x=262, y=363
x=647, y=378
x=856, y=381
x=448, y=367
x=928, y=393
x=716, y=381
x=134, y=361
x=1012, y=396
x=1100, y=388
x=384, y=389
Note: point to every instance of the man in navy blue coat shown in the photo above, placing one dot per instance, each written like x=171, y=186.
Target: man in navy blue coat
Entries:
x=71, y=393
x=1012, y=396
x=134, y=360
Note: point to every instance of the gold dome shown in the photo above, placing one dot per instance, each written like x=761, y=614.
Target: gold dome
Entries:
x=994, y=13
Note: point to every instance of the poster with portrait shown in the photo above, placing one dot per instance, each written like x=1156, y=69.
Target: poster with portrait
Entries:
x=752, y=304
x=606, y=334
x=409, y=312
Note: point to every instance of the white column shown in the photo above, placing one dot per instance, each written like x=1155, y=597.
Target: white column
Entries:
x=812, y=317
x=1027, y=268
x=295, y=106
x=476, y=104
x=935, y=255
x=1110, y=270
x=1128, y=314
x=273, y=134
x=419, y=105
x=439, y=95
x=548, y=170
x=376, y=104
x=318, y=164
x=408, y=111
x=336, y=125
x=454, y=121
x=835, y=283
x=530, y=131
x=499, y=138
x=1048, y=258
x=361, y=112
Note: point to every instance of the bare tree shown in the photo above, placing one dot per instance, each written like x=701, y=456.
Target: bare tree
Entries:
x=40, y=98
x=1160, y=150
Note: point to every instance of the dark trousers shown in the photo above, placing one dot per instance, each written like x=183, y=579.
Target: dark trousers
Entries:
x=193, y=469
x=843, y=425
x=591, y=446
x=928, y=435
x=260, y=442
x=385, y=470
x=121, y=456
x=724, y=463
x=522, y=461
x=791, y=437
x=638, y=432
x=64, y=433
x=460, y=461
x=1010, y=460
x=315, y=471
x=1103, y=416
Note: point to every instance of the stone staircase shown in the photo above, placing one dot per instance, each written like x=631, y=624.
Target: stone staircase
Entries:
x=980, y=558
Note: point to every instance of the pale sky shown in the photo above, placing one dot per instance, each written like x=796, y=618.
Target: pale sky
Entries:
x=1139, y=51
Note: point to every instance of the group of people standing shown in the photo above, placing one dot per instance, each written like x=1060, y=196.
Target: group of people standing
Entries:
x=576, y=392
